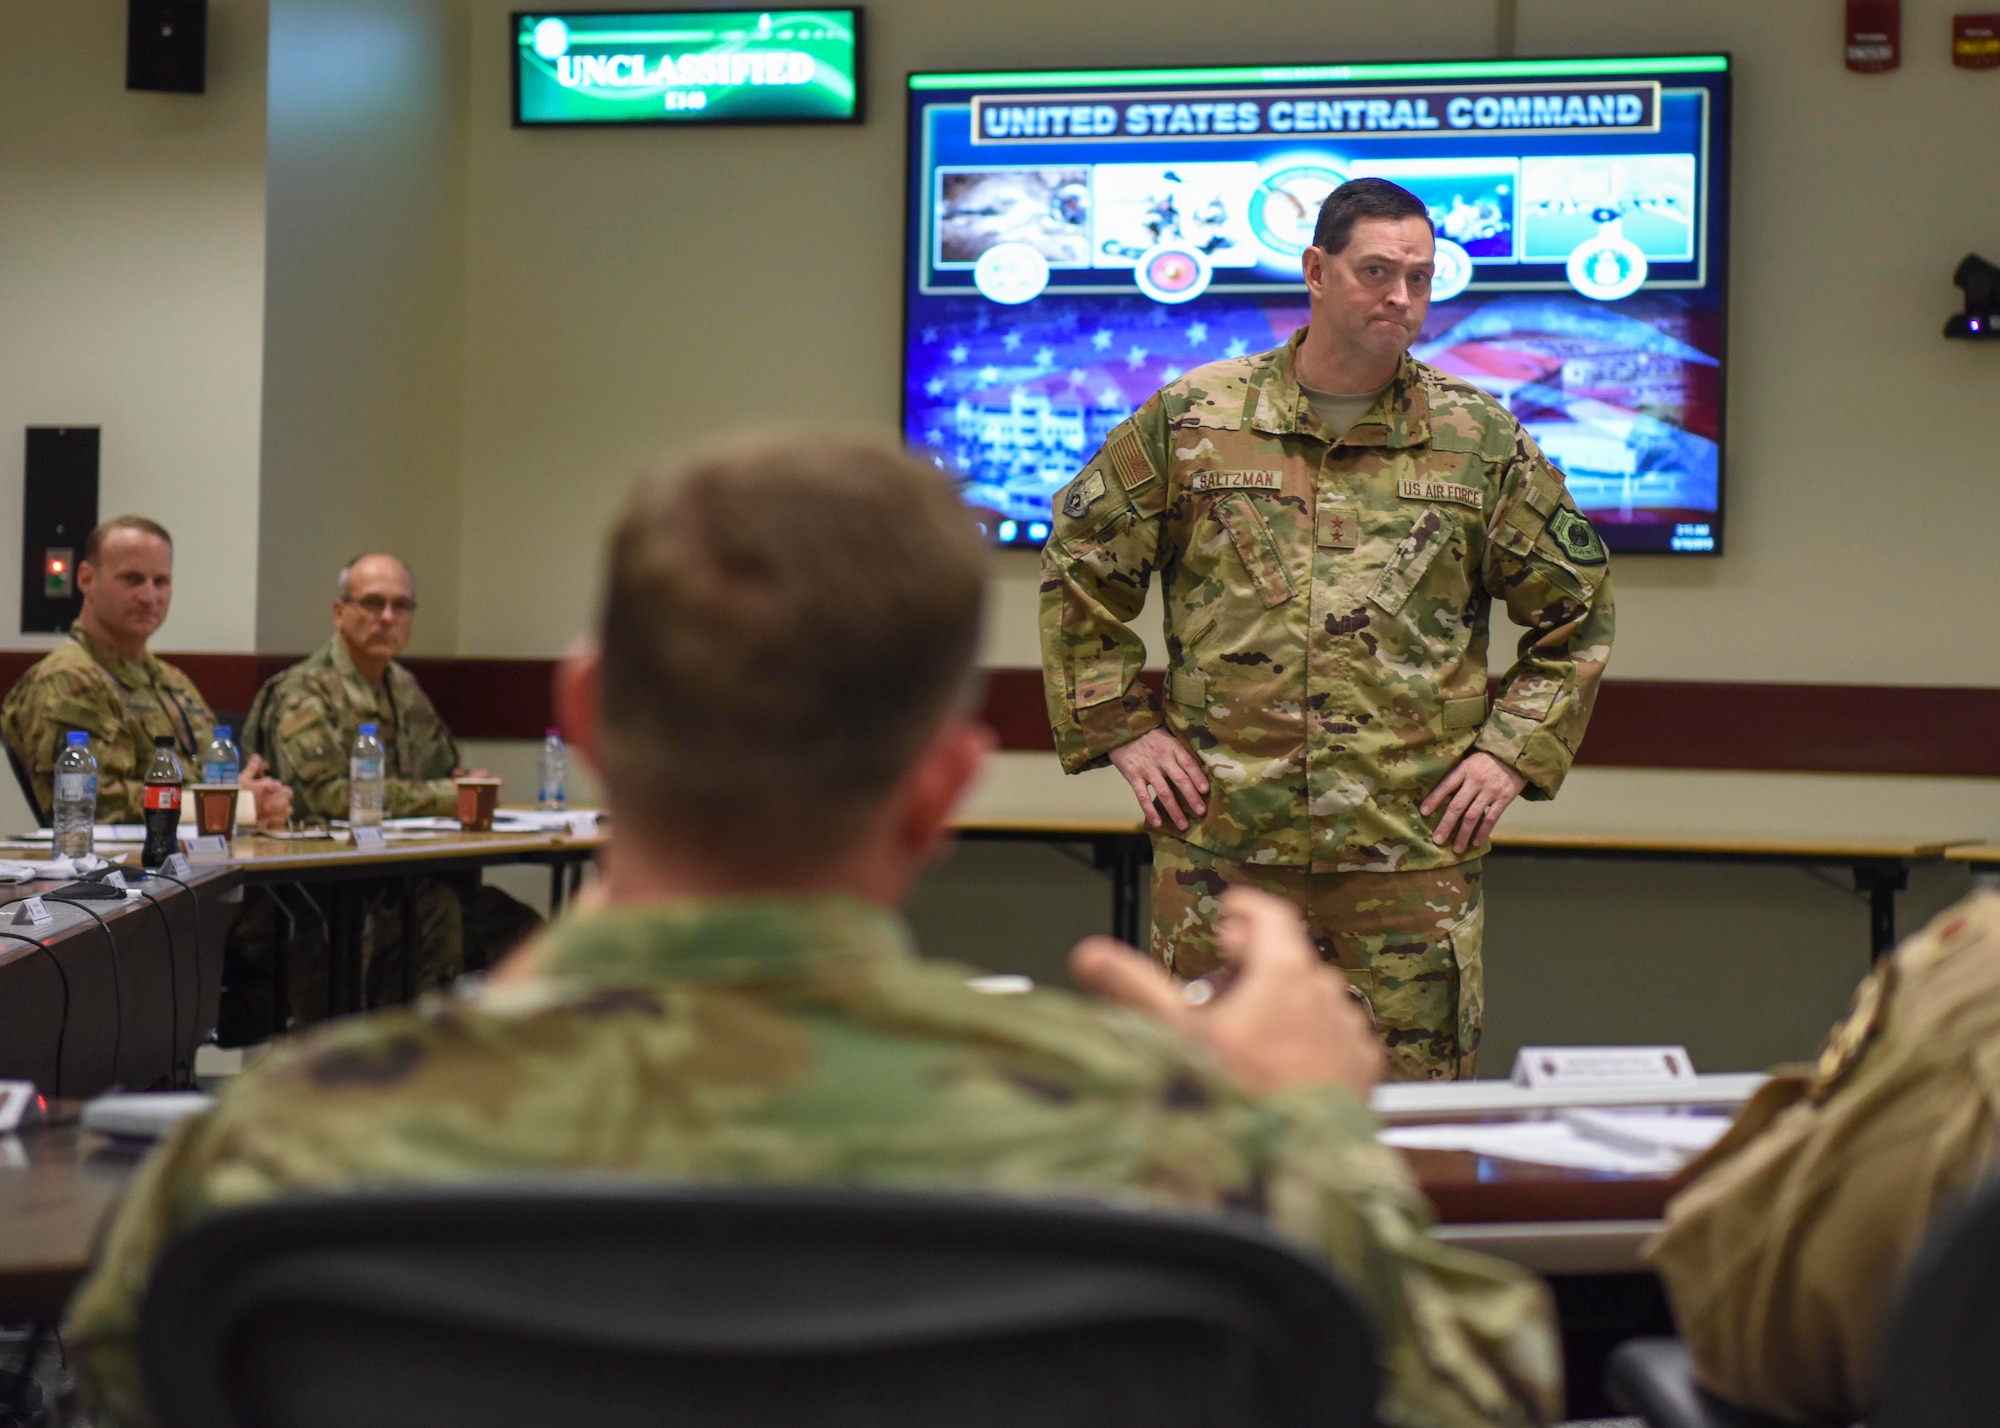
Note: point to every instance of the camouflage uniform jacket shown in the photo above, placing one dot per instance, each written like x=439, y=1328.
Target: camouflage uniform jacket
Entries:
x=1326, y=606
x=803, y=1040
x=1784, y=1253
x=123, y=704
x=306, y=718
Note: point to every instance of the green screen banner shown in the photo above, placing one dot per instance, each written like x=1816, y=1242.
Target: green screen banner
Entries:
x=687, y=67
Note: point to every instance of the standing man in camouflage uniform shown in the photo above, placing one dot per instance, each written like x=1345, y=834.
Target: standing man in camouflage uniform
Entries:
x=789, y=718
x=1332, y=521
x=305, y=721
x=105, y=681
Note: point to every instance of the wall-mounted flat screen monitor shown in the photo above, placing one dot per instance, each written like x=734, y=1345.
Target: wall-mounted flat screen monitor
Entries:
x=1077, y=239
x=687, y=67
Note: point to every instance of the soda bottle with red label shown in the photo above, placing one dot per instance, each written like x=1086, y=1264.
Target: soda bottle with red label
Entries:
x=162, y=804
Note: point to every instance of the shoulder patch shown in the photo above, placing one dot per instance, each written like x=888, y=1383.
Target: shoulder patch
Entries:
x=1128, y=459
x=1577, y=538
x=1083, y=494
x=1846, y=1042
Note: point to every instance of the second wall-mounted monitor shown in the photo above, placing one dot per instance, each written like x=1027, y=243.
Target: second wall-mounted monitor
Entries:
x=1077, y=239
x=626, y=67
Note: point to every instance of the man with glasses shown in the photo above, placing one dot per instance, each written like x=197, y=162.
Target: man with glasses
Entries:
x=305, y=721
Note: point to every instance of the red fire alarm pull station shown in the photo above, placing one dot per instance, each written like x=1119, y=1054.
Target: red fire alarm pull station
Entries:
x=1874, y=35
x=1975, y=41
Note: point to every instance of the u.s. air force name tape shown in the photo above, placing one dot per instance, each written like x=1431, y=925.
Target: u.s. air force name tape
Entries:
x=1415, y=489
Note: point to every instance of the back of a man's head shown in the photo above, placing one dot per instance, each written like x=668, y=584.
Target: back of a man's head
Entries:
x=785, y=626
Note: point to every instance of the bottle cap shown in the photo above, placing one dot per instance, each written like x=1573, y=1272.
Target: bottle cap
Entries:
x=77, y=736
x=553, y=734
x=163, y=741
x=222, y=733
x=367, y=731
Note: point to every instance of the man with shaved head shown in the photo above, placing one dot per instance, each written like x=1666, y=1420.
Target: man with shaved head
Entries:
x=305, y=721
x=105, y=681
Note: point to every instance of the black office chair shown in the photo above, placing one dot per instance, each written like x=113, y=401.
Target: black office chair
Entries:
x=1937, y=1359
x=619, y=1304
x=27, y=787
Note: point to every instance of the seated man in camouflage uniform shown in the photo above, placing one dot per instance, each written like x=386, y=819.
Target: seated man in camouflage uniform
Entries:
x=1784, y=1255
x=103, y=680
x=783, y=689
x=305, y=721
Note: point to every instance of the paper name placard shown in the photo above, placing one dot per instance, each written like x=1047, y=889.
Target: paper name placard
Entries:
x=116, y=879
x=372, y=839
x=1580, y=1067
x=212, y=849
x=32, y=913
x=177, y=865
x=583, y=825
x=17, y=1098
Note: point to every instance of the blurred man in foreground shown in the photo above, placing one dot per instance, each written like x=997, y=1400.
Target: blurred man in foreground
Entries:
x=782, y=695
x=1784, y=1257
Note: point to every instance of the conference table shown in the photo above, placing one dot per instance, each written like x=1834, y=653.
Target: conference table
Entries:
x=120, y=993
x=353, y=877
x=1880, y=867
x=125, y=1002
x=57, y=1180
x=1979, y=857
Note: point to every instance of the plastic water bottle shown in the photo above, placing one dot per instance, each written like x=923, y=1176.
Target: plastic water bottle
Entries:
x=220, y=763
x=555, y=770
x=364, y=780
x=76, y=797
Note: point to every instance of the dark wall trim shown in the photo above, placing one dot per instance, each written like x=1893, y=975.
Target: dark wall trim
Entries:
x=1640, y=723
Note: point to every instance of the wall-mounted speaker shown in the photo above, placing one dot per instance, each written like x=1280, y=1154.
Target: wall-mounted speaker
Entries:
x=58, y=509
x=166, y=45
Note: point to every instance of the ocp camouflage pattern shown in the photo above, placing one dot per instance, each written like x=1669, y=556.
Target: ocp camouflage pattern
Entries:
x=123, y=704
x=803, y=1040
x=1326, y=606
x=1410, y=943
x=305, y=721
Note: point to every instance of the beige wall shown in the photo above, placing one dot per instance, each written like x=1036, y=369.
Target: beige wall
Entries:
x=131, y=291
x=633, y=292
x=364, y=311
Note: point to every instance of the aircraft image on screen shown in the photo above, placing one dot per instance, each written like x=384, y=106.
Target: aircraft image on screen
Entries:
x=1568, y=200
x=1096, y=236
x=1047, y=209
x=1470, y=201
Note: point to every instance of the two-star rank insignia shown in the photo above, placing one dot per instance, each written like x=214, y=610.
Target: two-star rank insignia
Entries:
x=1338, y=529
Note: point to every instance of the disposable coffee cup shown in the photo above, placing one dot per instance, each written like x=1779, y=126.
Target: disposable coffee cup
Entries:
x=477, y=799
x=215, y=809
